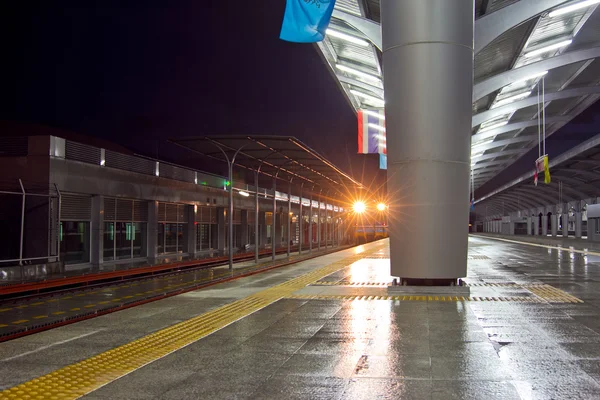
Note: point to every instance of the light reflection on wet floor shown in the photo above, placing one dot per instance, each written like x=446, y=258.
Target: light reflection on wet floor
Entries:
x=381, y=349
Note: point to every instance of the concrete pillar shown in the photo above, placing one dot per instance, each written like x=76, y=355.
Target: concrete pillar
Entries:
x=191, y=230
x=529, y=222
x=544, y=225
x=511, y=228
x=554, y=224
x=428, y=75
x=152, y=229
x=244, y=229
x=565, y=224
x=221, y=240
x=578, y=222
x=97, y=234
x=536, y=225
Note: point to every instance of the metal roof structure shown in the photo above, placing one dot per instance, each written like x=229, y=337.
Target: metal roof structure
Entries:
x=520, y=45
x=282, y=157
x=575, y=177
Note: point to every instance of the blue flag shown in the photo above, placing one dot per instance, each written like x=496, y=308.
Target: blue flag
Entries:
x=382, y=161
x=305, y=21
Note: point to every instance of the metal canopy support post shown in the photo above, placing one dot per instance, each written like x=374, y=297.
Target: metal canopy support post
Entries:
x=58, y=223
x=300, y=220
x=428, y=72
x=273, y=223
x=319, y=222
x=256, y=240
x=289, y=218
x=333, y=224
x=310, y=224
x=22, y=227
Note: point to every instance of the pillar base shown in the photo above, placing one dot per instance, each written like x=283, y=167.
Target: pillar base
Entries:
x=427, y=282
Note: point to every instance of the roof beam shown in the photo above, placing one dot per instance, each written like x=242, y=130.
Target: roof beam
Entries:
x=498, y=81
x=530, y=101
x=490, y=26
x=503, y=142
x=355, y=82
x=516, y=126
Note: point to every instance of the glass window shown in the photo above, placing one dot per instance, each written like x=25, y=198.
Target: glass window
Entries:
x=109, y=241
x=181, y=238
x=75, y=241
x=160, y=238
x=202, y=231
x=123, y=239
x=138, y=239
x=170, y=238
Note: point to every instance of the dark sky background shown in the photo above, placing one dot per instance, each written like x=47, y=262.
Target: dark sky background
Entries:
x=139, y=72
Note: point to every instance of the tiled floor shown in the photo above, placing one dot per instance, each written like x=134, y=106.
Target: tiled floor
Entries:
x=390, y=349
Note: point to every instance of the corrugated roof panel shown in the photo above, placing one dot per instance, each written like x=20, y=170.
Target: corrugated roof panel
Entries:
x=349, y=6
x=498, y=56
x=549, y=28
x=588, y=77
x=495, y=5
x=374, y=10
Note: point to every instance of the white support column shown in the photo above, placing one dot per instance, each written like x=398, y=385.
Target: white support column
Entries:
x=529, y=227
x=578, y=223
x=554, y=224
x=536, y=225
x=545, y=225
x=428, y=81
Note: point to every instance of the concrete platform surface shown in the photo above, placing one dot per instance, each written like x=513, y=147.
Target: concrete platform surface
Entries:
x=530, y=329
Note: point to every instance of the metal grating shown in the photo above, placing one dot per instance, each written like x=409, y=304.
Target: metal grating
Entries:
x=75, y=208
x=82, y=152
x=176, y=173
x=499, y=55
x=495, y=5
x=130, y=163
x=349, y=6
x=110, y=209
x=140, y=211
x=206, y=215
x=124, y=209
x=13, y=146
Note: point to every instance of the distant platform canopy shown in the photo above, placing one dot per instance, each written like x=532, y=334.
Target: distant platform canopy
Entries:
x=282, y=157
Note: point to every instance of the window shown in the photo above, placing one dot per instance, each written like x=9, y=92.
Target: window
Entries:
x=124, y=228
x=75, y=241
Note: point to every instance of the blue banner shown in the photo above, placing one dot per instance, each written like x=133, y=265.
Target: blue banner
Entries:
x=305, y=21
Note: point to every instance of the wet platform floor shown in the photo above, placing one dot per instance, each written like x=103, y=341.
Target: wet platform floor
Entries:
x=356, y=347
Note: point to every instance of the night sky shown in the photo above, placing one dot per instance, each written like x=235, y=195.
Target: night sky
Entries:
x=139, y=72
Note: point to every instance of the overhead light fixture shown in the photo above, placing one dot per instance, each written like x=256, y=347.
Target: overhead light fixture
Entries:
x=349, y=38
x=357, y=72
x=366, y=96
x=493, y=126
x=477, y=144
x=374, y=114
x=378, y=127
x=545, y=49
x=243, y=193
x=572, y=7
x=510, y=99
x=538, y=75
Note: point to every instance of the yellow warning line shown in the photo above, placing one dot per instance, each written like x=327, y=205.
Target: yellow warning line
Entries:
x=519, y=299
x=76, y=380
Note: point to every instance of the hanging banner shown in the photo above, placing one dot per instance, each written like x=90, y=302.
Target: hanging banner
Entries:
x=541, y=165
x=371, y=132
x=305, y=21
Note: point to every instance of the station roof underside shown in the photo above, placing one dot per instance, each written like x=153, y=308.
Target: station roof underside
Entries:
x=575, y=176
x=281, y=157
x=507, y=70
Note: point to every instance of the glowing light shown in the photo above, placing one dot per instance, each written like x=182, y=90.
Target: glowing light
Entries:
x=357, y=72
x=366, y=96
x=243, y=193
x=493, y=126
x=538, y=75
x=359, y=207
x=548, y=48
x=381, y=207
x=349, y=38
x=572, y=7
x=510, y=99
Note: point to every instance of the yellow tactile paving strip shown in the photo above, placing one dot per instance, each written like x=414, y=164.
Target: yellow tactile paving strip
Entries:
x=76, y=380
x=552, y=294
x=521, y=299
